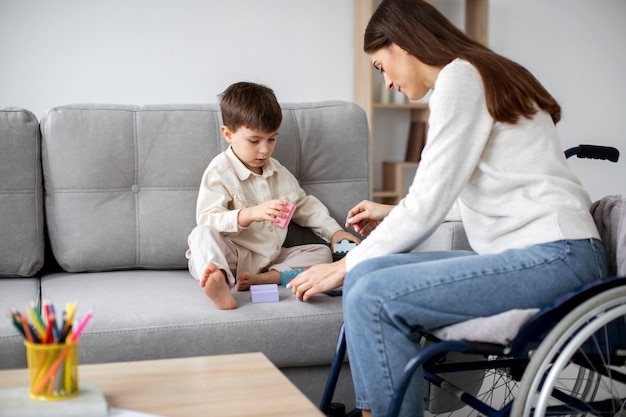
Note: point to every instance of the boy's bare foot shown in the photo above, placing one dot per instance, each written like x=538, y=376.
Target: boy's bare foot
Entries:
x=246, y=279
x=214, y=285
x=243, y=283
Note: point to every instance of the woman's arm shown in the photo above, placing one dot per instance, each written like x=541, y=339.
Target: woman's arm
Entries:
x=459, y=128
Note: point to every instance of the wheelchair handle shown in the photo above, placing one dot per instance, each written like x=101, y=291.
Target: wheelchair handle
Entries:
x=593, y=152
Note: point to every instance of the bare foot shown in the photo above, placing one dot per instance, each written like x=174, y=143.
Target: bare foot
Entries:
x=214, y=285
x=247, y=278
x=243, y=283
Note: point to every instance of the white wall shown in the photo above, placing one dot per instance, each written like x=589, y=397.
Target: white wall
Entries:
x=173, y=51
x=577, y=49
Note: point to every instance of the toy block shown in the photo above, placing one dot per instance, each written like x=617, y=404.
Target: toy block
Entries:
x=341, y=248
x=284, y=222
x=264, y=293
x=344, y=246
x=286, y=276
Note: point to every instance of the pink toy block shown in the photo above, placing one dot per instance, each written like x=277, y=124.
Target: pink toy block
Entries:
x=264, y=293
x=284, y=222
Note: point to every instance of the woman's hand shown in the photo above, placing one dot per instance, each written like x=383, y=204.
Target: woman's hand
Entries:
x=317, y=279
x=367, y=215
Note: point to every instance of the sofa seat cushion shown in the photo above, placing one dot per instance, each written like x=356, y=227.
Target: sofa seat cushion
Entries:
x=161, y=314
x=21, y=194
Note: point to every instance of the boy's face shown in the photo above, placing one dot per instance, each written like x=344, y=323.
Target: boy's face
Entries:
x=252, y=147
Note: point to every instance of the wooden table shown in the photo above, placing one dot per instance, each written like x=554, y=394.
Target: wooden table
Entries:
x=224, y=385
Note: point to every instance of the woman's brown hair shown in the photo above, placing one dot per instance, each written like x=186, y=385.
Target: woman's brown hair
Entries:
x=417, y=27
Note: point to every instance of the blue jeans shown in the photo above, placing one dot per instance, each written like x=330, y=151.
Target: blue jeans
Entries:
x=388, y=299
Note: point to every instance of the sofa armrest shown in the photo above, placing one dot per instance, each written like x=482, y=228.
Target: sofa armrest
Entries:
x=449, y=236
x=21, y=194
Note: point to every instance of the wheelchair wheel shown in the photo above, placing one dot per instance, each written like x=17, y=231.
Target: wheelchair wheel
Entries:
x=495, y=387
x=580, y=367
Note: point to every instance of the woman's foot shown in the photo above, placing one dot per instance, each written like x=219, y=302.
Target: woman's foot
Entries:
x=215, y=285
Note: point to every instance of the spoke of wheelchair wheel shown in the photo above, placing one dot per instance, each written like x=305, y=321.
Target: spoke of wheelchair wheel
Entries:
x=499, y=382
x=588, y=378
x=607, y=380
x=498, y=392
x=607, y=365
x=591, y=378
x=592, y=384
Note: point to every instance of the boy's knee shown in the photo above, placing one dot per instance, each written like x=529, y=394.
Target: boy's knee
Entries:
x=202, y=231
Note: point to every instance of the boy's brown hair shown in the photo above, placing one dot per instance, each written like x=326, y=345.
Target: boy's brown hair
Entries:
x=250, y=105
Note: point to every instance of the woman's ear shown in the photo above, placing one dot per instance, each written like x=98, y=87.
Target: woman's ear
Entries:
x=397, y=48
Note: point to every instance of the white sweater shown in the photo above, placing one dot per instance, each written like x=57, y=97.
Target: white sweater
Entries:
x=512, y=182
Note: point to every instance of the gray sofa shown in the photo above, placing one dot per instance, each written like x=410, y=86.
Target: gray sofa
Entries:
x=97, y=201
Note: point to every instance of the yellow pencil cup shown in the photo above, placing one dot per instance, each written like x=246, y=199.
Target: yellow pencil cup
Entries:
x=52, y=370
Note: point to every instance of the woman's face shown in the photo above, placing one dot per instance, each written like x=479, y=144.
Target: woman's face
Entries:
x=404, y=72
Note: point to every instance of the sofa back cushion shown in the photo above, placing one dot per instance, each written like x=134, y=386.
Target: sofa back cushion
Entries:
x=121, y=181
x=21, y=202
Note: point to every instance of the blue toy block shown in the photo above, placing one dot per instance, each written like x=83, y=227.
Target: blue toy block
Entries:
x=287, y=276
x=264, y=293
x=344, y=246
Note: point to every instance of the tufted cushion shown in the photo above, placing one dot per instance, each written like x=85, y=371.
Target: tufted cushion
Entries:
x=21, y=206
x=121, y=182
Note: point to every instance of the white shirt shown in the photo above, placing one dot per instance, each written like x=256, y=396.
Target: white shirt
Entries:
x=512, y=182
x=228, y=186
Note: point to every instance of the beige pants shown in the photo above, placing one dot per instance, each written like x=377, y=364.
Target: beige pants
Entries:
x=206, y=244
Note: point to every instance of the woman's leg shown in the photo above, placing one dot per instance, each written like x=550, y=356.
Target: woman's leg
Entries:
x=387, y=300
x=353, y=310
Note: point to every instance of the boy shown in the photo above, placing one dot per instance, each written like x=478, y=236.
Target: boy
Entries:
x=243, y=194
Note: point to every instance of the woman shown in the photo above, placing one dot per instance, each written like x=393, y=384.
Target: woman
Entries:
x=492, y=149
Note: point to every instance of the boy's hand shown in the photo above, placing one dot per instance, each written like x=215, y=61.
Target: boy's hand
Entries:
x=367, y=215
x=269, y=210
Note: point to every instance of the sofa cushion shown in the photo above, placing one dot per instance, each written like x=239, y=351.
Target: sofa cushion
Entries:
x=163, y=314
x=330, y=157
x=21, y=205
x=121, y=182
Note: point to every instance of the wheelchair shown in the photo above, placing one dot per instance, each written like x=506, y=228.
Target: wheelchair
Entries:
x=566, y=359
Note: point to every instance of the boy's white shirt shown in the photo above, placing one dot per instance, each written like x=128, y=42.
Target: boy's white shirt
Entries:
x=228, y=186
x=511, y=182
